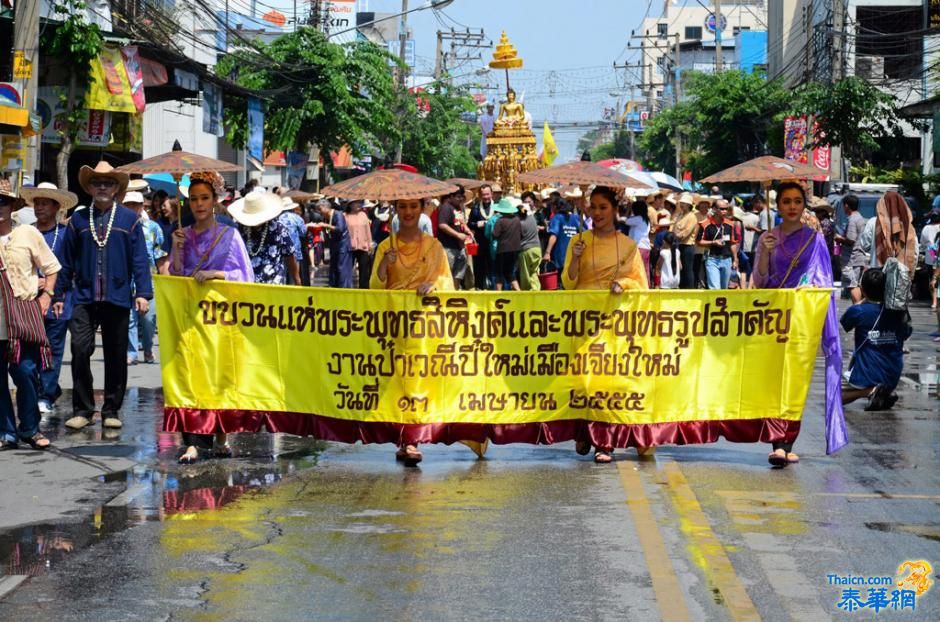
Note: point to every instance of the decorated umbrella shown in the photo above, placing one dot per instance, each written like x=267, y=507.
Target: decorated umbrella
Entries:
x=178, y=163
x=300, y=195
x=765, y=169
x=388, y=185
x=580, y=173
x=666, y=181
x=466, y=182
x=621, y=164
x=644, y=178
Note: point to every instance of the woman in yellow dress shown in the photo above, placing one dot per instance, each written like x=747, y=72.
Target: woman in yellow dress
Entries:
x=603, y=259
x=411, y=260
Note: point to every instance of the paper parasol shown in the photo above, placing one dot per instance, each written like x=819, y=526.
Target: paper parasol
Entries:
x=765, y=168
x=580, y=173
x=466, y=182
x=388, y=185
x=300, y=195
x=178, y=163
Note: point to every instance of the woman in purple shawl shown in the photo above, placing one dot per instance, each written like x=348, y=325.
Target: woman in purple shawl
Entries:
x=205, y=251
x=794, y=255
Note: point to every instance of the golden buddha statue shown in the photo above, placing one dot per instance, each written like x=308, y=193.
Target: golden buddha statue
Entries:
x=511, y=113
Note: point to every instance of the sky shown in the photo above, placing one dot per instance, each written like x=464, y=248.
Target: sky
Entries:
x=568, y=47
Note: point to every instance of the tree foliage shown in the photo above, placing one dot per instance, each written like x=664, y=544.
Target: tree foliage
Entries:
x=323, y=93
x=852, y=113
x=435, y=138
x=657, y=143
x=619, y=147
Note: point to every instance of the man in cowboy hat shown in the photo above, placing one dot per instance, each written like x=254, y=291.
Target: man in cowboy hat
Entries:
x=103, y=254
x=48, y=203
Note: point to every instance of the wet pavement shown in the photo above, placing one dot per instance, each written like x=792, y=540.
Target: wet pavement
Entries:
x=294, y=529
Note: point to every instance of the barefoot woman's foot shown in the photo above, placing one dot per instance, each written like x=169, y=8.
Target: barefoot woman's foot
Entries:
x=412, y=456
x=602, y=456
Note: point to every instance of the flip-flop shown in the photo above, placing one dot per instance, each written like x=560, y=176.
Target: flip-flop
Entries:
x=776, y=460
x=792, y=458
x=603, y=457
x=35, y=441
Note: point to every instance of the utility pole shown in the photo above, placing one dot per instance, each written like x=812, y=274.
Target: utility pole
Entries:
x=677, y=92
x=26, y=46
x=460, y=40
x=718, y=64
x=403, y=70
x=439, y=56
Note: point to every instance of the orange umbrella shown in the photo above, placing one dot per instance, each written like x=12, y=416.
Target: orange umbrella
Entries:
x=178, y=163
x=763, y=169
x=388, y=185
x=580, y=173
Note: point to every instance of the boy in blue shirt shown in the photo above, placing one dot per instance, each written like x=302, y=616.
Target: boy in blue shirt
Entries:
x=879, y=345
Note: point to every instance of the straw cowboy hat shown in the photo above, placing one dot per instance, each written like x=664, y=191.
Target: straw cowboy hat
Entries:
x=66, y=200
x=702, y=198
x=256, y=208
x=137, y=185
x=287, y=204
x=820, y=204
x=687, y=198
x=102, y=169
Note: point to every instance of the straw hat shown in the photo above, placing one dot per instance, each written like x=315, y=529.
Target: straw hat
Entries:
x=367, y=204
x=671, y=198
x=256, y=208
x=45, y=190
x=133, y=197
x=686, y=198
x=102, y=169
x=137, y=185
x=495, y=187
x=821, y=204
x=573, y=192
x=288, y=204
x=547, y=193
x=702, y=198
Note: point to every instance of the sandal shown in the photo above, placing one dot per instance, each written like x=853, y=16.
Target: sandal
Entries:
x=792, y=458
x=37, y=441
x=189, y=457
x=603, y=457
x=410, y=455
x=8, y=445
x=777, y=458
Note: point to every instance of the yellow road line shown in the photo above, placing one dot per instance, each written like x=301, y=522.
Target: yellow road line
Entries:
x=669, y=597
x=708, y=551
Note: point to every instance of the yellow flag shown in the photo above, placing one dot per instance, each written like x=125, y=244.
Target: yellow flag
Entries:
x=549, y=148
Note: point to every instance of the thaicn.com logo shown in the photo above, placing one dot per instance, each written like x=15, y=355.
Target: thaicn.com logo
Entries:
x=899, y=593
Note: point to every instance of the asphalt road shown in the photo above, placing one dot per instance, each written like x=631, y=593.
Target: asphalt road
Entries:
x=293, y=529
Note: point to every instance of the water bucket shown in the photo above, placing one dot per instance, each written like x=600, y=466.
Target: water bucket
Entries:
x=548, y=276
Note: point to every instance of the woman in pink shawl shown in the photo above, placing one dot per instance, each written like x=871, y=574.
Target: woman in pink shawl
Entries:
x=794, y=255
x=208, y=250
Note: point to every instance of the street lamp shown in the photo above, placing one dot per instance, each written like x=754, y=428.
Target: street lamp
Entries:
x=437, y=5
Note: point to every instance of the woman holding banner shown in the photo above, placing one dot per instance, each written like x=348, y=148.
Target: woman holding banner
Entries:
x=794, y=255
x=414, y=260
x=206, y=251
x=603, y=258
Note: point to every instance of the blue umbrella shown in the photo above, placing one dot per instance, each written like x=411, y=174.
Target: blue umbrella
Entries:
x=165, y=182
x=666, y=181
x=644, y=178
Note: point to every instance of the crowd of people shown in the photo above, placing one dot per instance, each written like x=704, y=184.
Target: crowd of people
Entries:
x=91, y=269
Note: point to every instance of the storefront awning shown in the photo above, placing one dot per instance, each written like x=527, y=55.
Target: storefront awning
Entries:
x=13, y=115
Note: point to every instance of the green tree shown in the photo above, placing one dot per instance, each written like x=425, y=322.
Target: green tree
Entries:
x=76, y=43
x=725, y=118
x=852, y=113
x=321, y=93
x=619, y=147
x=435, y=138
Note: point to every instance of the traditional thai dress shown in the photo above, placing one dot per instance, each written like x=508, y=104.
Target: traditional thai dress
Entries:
x=219, y=248
x=422, y=261
x=802, y=258
x=605, y=260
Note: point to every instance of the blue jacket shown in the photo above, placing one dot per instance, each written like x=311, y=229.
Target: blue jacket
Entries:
x=124, y=261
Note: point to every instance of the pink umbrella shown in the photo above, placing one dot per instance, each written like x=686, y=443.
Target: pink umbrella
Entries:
x=622, y=165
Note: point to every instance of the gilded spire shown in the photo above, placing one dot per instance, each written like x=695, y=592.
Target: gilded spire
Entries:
x=505, y=55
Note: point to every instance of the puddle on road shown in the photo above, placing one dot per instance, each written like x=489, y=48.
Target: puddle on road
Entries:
x=157, y=488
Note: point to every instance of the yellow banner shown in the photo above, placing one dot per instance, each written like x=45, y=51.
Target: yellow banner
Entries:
x=660, y=357
x=109, y=88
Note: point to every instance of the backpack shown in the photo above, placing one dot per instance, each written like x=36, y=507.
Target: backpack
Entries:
x=897, y=284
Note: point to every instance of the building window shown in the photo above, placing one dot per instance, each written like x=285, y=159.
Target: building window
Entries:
x=662, y=30
x=693, y=33
x=739, y=29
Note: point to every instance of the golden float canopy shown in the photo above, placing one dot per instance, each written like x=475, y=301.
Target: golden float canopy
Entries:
x=505, y=55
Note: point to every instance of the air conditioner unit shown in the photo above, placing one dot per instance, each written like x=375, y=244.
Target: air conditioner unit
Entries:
x=870, y=67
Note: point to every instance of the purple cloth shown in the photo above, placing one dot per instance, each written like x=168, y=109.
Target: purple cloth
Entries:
x=815, y=265
x=228, y=254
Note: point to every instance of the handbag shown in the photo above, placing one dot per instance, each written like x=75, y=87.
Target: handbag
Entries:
x=472, y=249
x=25, y=323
